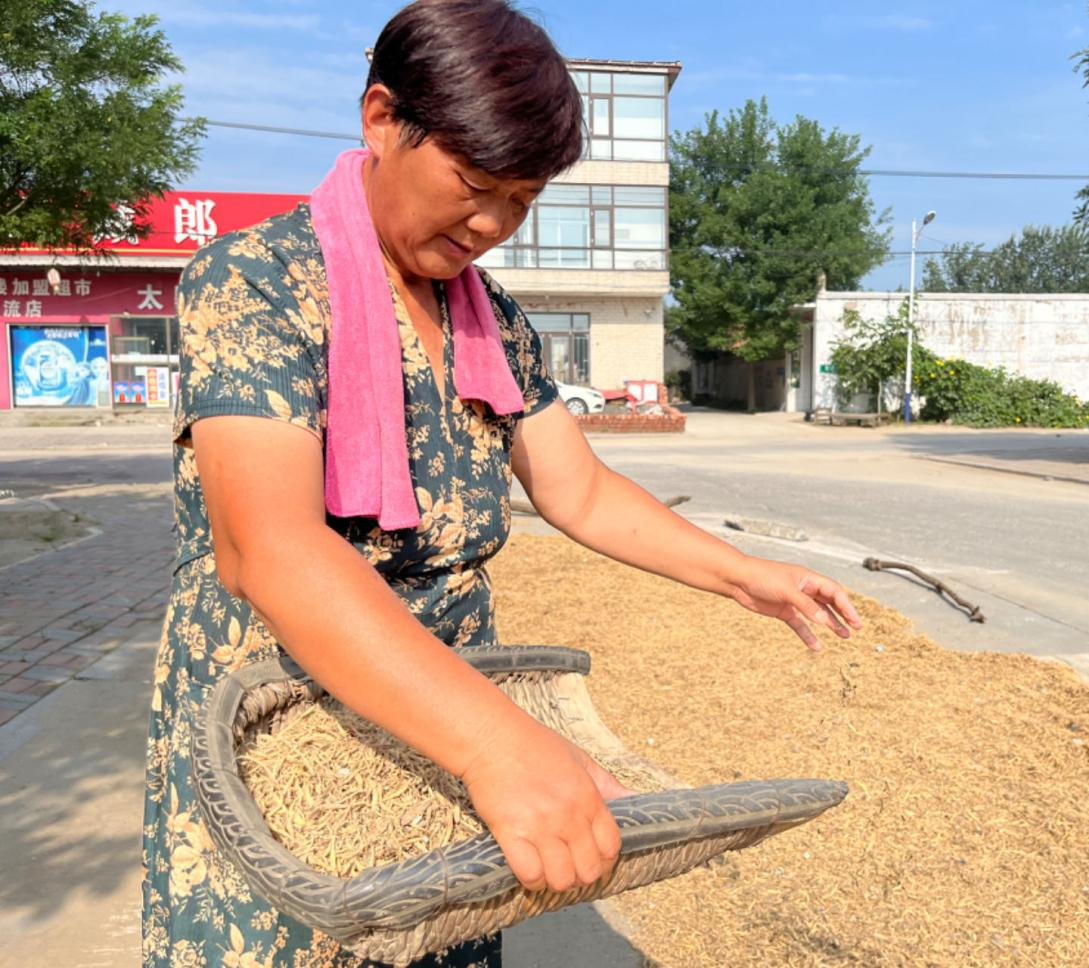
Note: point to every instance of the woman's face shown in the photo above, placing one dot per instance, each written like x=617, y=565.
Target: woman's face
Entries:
x=434, y=213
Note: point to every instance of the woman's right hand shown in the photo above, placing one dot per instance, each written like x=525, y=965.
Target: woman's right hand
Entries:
x=543, y=799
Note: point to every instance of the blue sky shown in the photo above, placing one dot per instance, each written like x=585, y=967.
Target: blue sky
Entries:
x=964, y=85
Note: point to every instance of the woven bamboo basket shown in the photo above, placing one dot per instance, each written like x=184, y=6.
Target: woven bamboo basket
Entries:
x=399, y=912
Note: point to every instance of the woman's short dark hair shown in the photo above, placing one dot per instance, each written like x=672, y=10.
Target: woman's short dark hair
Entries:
x=482, y=81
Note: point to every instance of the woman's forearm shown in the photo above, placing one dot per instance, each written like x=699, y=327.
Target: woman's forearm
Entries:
x=618, y=518
x=341, y=622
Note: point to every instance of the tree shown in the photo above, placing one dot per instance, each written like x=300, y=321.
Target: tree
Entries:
x=1043, y=259
x=757, y=211
x=872, y=353
x=88, y=133
x=1081, y=63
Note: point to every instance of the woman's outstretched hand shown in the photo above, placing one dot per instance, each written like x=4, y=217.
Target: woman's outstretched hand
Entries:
x=795, y=595
x=543, y=799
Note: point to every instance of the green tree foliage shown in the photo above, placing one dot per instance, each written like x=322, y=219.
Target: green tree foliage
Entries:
x=1043, y=259
x=873, y=353
x=757, y=211
x=86, y=123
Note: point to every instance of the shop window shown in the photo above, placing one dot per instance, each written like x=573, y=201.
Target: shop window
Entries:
x=143, y=360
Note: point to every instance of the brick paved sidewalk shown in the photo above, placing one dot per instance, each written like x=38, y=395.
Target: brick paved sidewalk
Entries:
x=64, y=609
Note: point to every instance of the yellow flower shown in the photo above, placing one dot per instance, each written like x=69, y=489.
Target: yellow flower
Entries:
x=1016, y=419
x=954, y=372
x=941, y=363
x=932, y=375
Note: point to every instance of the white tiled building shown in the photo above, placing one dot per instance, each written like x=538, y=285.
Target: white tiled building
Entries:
x=590, y=266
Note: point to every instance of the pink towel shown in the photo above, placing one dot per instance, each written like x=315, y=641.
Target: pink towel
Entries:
x=366, y=454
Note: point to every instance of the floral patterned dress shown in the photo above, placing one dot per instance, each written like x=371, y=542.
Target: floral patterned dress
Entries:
x=254, y=315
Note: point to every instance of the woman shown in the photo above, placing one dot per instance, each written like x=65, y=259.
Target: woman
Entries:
x=308, y=526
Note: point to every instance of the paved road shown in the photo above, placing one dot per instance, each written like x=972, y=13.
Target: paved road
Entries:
x=1014, y=544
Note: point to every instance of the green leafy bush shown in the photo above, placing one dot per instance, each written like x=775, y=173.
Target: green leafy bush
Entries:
x=978, y=396
x=873, y=353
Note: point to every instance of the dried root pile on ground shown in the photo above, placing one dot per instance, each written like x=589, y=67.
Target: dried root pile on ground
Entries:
x=965, y=840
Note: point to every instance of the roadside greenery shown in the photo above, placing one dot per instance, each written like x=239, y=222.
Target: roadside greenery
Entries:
x=870, y=359
x=978, y=396
x=89, y=132
x=871, y=355
x=1043, y=259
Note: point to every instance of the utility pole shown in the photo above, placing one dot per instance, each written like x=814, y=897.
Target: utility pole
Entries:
x=929, y=217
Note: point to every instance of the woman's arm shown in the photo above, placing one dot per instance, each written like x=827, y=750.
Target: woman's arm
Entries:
x=541, y=797
x=577, y=494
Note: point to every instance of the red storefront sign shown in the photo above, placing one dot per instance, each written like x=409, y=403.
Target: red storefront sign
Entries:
x=111, y=294
x=181, y=222
x=83, y=295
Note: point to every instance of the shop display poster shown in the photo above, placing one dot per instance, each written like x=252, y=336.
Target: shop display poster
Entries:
x=59, y=366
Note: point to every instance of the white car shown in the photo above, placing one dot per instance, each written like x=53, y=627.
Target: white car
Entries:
x=579, y=400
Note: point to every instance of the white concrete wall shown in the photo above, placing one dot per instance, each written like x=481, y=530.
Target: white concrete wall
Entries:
x=627, y=336
x=1038, y=336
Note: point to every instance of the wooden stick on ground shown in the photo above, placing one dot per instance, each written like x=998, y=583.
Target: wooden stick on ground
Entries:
x=974, y=614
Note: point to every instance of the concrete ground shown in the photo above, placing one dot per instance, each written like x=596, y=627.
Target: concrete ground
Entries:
x=79, y=624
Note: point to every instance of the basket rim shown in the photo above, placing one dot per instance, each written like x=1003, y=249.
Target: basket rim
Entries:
x=402, y=894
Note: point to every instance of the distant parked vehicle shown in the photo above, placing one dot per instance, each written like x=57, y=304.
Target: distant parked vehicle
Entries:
x=579, y=400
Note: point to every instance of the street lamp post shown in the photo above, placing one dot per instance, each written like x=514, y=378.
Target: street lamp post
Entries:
x=927, y=219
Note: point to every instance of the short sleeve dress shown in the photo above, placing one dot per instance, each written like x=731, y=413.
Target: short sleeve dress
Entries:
x=254, y=319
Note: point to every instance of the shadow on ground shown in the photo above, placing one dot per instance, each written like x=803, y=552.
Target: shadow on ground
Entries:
x=1067, y=447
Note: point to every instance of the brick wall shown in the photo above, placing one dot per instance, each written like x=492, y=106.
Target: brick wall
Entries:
x=672, y=421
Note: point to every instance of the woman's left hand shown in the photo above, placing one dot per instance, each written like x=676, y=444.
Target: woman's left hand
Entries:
x=795, y=595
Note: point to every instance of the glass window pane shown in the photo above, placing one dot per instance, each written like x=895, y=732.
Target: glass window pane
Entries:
x=601, y=83
x=558, y=352
x=564, y=227
x=603, y=258
x=601, y=195
x=600, y=123
x=565, y=195
x=640, y=260
x=498, y=258
x=580, y=321
x=601, y=148
x=524, y=235
x=525, y=258
x=639, y=84
x=639, y=150
x=640, y=228
x=640, y=196
x=581, y=79
x=581, y=358
x=602, y=229
x=637, y=117
x=550, y=322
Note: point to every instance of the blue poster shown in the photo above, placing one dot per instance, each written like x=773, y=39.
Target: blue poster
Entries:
x=59, y=366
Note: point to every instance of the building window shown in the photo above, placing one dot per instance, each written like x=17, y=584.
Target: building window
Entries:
x=625, y=115
x=565, y=338
x=589, y=227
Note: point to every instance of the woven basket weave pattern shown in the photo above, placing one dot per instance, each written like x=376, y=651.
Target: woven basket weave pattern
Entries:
x=400, y=912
